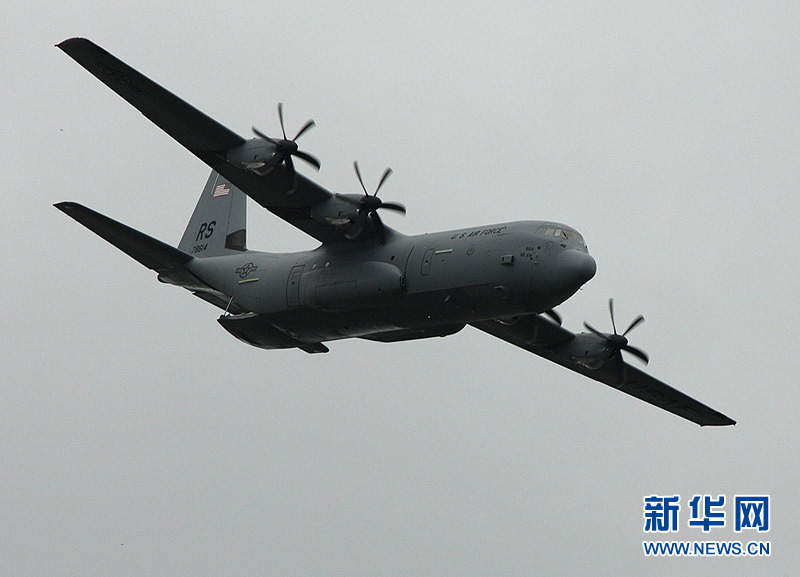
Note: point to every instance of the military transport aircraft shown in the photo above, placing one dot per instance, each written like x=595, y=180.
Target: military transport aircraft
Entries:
x=365, y=280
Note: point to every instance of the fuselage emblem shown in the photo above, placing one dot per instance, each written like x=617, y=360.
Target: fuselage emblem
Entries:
x=245, y=270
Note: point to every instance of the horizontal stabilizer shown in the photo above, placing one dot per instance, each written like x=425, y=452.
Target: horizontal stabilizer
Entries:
x=150, y=252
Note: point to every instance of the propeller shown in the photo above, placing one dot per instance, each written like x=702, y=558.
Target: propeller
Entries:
x=368, y=206
x=553, y=315
x=617, y=341
x=285, y=148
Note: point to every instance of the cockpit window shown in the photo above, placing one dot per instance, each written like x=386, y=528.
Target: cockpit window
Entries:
x=560, y=233
x=572, y=235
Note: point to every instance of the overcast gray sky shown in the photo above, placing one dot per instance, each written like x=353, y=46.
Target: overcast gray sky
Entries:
x=138, y=438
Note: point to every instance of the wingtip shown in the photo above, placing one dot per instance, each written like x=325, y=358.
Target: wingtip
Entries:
x=66, y=205
x=726, y=423
x=77, y=45
x=74, y=40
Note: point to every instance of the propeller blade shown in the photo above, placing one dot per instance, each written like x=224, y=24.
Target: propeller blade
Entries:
x=291, y=173
x=638, y=353
x=260, y=134
x=554, y=315
x=394, y=206
x=360, y=180
x=611, y=310
x=379, y=228
x=386, y=174
x=280, y=117
x=638, y=320
x=348, y=200
x=620, y=368
x=312, y=160
x=594, y=331
x=309, y=124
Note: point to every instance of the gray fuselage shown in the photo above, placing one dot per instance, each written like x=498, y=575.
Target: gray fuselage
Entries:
x=410, y=287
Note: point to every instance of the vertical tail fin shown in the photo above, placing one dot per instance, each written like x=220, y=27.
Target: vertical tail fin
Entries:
x=219, y=223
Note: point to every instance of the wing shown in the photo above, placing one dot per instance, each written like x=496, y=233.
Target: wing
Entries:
x=550, y=341
x=207, y=139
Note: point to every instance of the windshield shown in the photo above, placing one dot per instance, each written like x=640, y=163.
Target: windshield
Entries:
x=562, y=233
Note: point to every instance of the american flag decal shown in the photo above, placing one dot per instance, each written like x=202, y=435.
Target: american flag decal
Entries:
x=221, y=190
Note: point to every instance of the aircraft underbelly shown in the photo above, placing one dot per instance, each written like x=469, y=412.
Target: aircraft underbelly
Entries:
x=402, y=318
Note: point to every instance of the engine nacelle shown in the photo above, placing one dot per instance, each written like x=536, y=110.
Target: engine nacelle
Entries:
x=337, y=213
x=588, y=350
x=256, y=155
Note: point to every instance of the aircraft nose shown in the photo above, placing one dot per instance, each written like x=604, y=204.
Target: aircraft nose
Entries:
x=577, y=265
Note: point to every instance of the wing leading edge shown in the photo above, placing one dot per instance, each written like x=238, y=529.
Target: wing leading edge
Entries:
x=542, y=337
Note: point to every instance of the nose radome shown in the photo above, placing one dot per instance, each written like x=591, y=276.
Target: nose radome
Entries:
x=577, y=265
